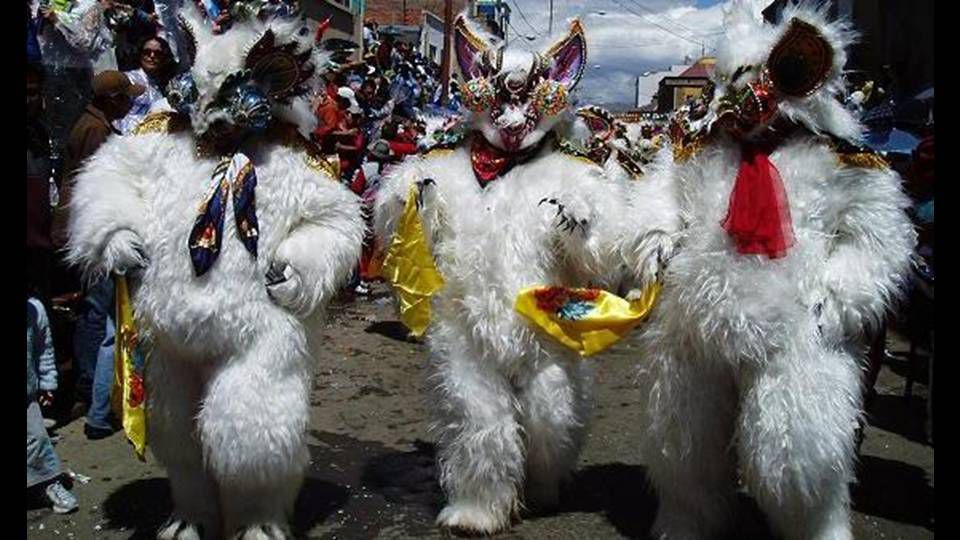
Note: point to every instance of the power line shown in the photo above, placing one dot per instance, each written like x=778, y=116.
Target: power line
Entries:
x=524, y=17
x=665, y=29
x=515, y=31
x=665, y=18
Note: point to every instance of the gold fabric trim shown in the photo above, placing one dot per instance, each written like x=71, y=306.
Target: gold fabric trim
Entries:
x=161, y=122
x=862, y=160
x=287, y=135
x=683, y=152
x=437, y=152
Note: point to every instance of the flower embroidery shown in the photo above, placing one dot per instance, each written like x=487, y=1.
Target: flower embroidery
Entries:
x=567, y=304
x=135, y=398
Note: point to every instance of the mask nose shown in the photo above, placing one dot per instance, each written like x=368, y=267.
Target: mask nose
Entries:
x=513, y=117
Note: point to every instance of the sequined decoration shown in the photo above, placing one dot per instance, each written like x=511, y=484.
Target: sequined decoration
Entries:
x=234, y=174
x=478, y=94
x=250, y=108
x=753, y=106
x=550, y=97
x=182, y=93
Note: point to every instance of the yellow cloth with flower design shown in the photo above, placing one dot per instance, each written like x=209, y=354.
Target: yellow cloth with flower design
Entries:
x=127, y=396
x=409, y=267
x=585, y=320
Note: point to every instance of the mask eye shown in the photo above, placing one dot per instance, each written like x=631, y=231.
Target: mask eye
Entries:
x=182, y=92
x=741, y=71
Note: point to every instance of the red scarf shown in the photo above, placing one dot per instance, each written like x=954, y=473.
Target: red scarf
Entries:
x=758, y=217
x=490, y=162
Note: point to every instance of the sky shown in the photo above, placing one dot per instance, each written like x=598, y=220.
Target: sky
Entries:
x=624, y=37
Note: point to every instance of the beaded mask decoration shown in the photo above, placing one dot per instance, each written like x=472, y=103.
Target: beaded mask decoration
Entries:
x=797, y=66
x=254, y=55
x=517, y=97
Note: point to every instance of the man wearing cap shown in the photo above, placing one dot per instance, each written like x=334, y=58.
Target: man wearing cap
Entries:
x=113, y=96
x=112, y=99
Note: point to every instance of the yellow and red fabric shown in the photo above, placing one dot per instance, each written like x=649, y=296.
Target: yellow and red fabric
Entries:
x=128, y=395
x=585, y=320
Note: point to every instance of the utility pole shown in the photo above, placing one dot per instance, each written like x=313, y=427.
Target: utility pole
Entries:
x=550, y=31
x=404, y=21
x=445, y=58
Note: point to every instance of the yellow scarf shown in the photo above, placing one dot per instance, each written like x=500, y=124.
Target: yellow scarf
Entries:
x=585, y=320
x=409, y=267
x=128, y=395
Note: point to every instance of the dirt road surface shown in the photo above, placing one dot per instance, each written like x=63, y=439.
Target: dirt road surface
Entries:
x=372, y=470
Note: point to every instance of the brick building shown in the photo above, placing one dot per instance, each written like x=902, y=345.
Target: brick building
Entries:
x=407, y=12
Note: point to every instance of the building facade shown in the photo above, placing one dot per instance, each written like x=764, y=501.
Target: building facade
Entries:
x=675, y=91
x=407, y=12
x=346, y=18
x=648, y=84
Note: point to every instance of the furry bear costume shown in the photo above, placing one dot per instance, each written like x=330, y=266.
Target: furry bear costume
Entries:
x=750, y=358
x=223, y=298
x=505, y=211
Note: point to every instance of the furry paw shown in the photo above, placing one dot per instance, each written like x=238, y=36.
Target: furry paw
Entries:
x=650, y=256
x=425, y=188
x=264, y=531
x=829, y=321
x=565, y=217
x=124, y=252
x=471, y=518
x=285, y=287
x=178, y=529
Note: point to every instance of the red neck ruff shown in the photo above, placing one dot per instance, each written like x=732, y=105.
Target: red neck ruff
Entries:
x=490, y=162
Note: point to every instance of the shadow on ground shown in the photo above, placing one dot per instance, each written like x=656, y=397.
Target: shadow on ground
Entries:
x=356, y=489
x=142, y=506
x=898, y=414
x=394, y=330
x=893, y=490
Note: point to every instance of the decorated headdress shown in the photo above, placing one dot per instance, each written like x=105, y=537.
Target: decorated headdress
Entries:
x=517, y=96
x=250, y=62
x=552, y=76
x=793, y=69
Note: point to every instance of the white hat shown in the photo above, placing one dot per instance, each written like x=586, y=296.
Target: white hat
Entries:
x=349, y=94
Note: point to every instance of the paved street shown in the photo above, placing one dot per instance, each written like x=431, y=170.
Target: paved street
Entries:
x=372, y=470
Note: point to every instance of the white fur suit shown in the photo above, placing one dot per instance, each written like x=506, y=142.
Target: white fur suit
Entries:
x=228, y=377
x=749, y=361
x=511, y=404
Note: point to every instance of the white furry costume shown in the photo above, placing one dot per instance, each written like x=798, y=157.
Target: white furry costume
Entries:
x=511, y=404
x=229, y=374
x=750, y=361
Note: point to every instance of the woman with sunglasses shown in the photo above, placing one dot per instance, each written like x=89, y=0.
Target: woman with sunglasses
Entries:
x=156, y=69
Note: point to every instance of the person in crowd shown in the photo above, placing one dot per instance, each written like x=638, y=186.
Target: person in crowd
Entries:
x=44, y=471
x=327, y=112
x=374, y=108
x=75, y=43
x=113, y=96
x=370, y=36
x=351, y=146
x=40, y=186
x=33, y=29
x=132, y=21
x=156, y=69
